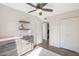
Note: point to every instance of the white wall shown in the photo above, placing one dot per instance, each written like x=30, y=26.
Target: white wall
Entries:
x=9, y=23
x=64, y=30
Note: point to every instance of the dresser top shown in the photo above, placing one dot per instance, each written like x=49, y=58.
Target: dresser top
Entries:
x=5, y=38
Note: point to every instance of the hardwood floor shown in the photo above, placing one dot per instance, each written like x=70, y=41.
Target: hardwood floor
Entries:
x=61, y=51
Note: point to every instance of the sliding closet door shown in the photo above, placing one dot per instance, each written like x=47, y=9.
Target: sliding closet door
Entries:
x=70, y=33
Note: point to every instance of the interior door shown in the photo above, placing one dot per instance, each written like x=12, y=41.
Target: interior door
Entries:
x=70, y=34
x=45, y=31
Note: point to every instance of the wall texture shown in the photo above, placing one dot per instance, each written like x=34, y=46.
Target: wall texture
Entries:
x=9, y=23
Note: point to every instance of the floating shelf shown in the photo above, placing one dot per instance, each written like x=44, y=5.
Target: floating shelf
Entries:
x=24, y=29
x=22, y=25
x=24, y=22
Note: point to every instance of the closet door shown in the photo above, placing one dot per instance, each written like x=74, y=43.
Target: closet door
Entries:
x=70, y=34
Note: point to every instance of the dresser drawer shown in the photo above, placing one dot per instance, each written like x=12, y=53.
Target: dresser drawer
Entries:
x=10, y=53
x=6, y=42
x=27, y=48
x=23, y=46
x=7, y=47
x=24, y=49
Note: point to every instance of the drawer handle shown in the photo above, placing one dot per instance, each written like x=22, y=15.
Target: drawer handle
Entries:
x=11, y=43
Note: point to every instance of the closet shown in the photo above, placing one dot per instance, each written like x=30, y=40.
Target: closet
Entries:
x=70, y=33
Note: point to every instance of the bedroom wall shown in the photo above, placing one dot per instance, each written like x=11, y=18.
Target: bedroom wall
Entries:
x=64, y=30
x=9, y=18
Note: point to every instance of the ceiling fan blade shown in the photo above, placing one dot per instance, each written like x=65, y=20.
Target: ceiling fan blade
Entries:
x=43, y=4
x=49, y=10
x=31, y=5
x=31, y=11
x=38, y=5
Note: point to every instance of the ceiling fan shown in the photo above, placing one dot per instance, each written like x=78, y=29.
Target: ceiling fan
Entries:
x=39, y=8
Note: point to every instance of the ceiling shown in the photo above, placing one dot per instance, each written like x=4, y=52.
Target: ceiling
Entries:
x=57, y=7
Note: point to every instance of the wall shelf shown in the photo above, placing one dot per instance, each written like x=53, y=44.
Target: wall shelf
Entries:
x=24, y=22
x=24, y=29
x=24, y=25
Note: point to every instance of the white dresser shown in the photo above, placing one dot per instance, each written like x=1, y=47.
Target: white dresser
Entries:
x=16, y=46
x=24, y=45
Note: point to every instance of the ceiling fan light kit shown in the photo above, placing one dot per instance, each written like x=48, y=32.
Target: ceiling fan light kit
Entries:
x=39, y=11
x=39, y=8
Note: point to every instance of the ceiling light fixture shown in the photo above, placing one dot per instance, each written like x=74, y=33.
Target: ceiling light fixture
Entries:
x=39, y=11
